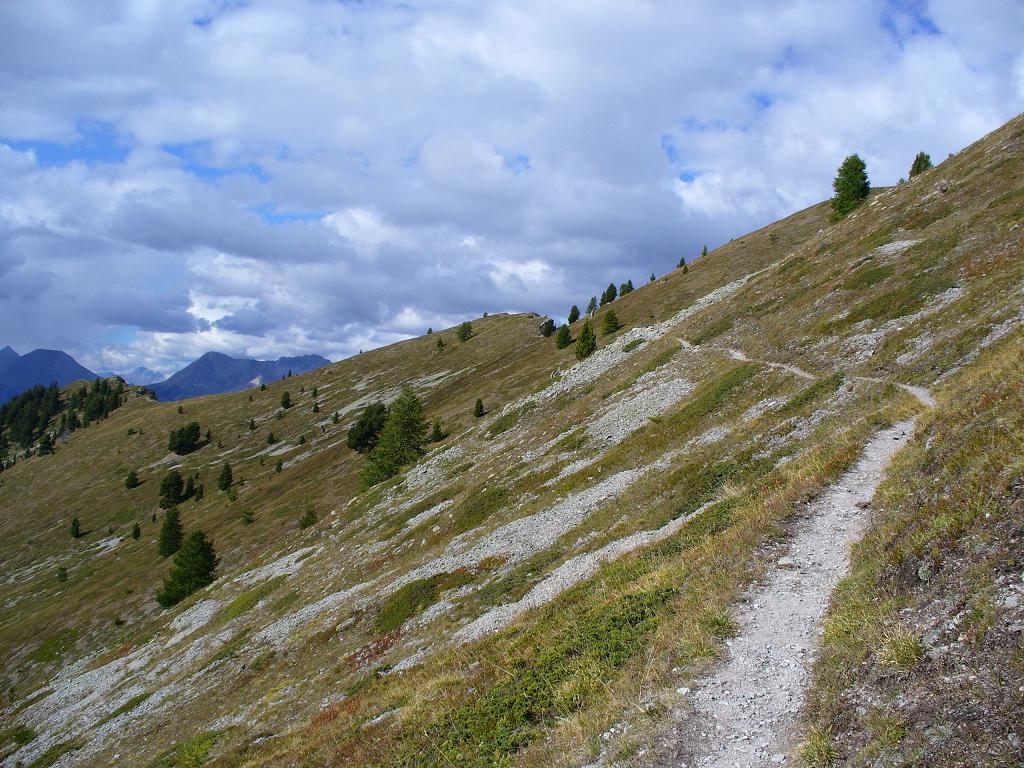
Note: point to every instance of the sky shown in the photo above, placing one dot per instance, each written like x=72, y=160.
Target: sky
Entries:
x=304, y=176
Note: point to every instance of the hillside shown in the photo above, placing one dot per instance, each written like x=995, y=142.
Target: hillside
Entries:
x=560, y=581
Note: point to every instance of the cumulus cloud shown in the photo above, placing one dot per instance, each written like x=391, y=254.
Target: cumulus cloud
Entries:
x=283, y=177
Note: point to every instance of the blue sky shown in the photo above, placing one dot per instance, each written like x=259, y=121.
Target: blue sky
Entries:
x=274, y=177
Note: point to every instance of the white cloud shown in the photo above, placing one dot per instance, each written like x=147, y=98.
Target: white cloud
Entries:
x=343, y=175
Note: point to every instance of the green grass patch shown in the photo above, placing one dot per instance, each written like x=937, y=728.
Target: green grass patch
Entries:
x=55, y=646
x=128, y=706
x=900, y=301
x=19, y=735
x=571, y=442
x=248, y=599
x=506, y=421
x=56, y=752
x=414, y=597
x=633, y=345
x=478, y=506
x=541, y=685
x=867, y=276
x=710, y=331
x=711, y=396
x=812, y=393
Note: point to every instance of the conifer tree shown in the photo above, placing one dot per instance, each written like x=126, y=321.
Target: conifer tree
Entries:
x=76, y=528
x=131, y=480
x=172, y=489
x=610, y=322
x=62, y=574
x=586, y=342
x=363, y=435
x=478, y=408
x=271, y=439
x=547, y=327
x=316, y=407
x=465, y=331
x=335, y=418
x=653, y=278
x=195, y=566
x=440, y=344
x=252, y=424
x=315, y=393
x=263, y=387
x=224, y=481
x=286, y=400
x=401, y=440
x=851, y=187
x=136, y=532
x=170, y=533
x=922, y=162
x=436, y=433
x=592, y=306
x=704, y=250
x=609, y=295
x=279, y=466
x=563, y=338
x=429, y=331
x=682, y=262
x=574, y=314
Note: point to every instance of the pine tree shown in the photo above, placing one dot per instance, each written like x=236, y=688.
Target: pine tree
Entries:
x=252, y=424
x=440, y=344
x=302, y=439
x=653, y=278
x=563, y=338
x=62, y=574
x=170, y=533
x=478, y=408
x=335, y=418
x=922, y=162
x=286, y=400
x=586, y=342
x=271, y=439
x=247, y=516
x=279, y=466
x=363, y=435
x=172, y=489
x=609, y=295
x=547, y=327
x=195, y=566
x=315, y=393
x=136, y=532
x=574, y=314
x=851, y=187
x=436, y=434
x=316, y=407
x=224, y=481
x=76, y=528
x=131, y=480
x=610, y=322
x=401, y=440
x=592, y=306
x=263, y=387
x=682, y=262
x=465, y=331
x=704, y=250
x=429, y=331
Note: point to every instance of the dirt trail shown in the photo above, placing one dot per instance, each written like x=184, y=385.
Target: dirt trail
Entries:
x=746, y=712
x=922, y=394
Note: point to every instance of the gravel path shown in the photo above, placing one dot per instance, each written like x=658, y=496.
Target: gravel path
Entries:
x=746, y=712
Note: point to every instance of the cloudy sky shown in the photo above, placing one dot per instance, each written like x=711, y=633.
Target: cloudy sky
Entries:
x=267, y=178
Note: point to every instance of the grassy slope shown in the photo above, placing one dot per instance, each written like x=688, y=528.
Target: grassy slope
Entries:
x=567, y=670
x=924, y=647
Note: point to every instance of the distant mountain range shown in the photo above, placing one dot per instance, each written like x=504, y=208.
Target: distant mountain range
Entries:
x=41, y=366
x=140, y=376
x=211, y=374
x=214, y=373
